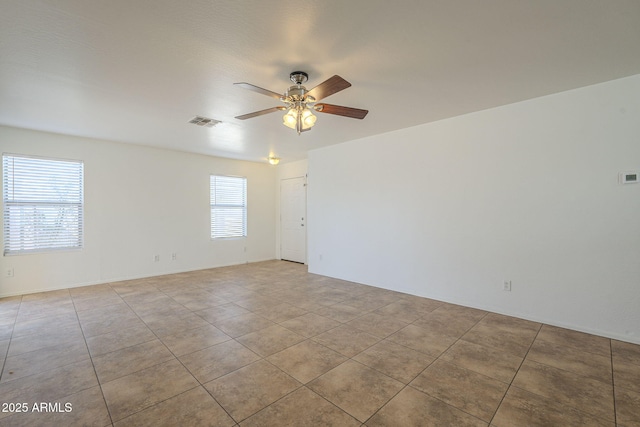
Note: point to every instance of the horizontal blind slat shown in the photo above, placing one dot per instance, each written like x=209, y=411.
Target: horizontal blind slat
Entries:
x=228, y=206
x=43, y=204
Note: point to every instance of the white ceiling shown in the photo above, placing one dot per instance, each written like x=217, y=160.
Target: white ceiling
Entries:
x=136, y=71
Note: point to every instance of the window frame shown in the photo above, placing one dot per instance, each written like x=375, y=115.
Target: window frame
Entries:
x=214, y=196
x=42, y=203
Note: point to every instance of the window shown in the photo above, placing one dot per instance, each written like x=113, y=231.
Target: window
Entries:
x=228, y=206
x=43, y=204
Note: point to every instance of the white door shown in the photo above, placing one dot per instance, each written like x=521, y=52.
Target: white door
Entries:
x=293, y=219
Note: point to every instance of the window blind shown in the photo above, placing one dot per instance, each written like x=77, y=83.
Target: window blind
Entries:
x=43, y=204
x=228, y=206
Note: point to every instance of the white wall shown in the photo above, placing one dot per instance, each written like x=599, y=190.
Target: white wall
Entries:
x=526, y=192
x=141, y=201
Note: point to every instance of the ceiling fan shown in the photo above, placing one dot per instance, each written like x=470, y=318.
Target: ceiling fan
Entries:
x=299, y=102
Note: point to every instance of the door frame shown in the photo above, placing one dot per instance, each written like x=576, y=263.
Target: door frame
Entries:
x=306, y=251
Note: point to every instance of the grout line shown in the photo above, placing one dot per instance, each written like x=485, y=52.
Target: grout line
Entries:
x=516, y=374
x=6, y=355
x=261, y=289
x=104, y=399
x=613, y=383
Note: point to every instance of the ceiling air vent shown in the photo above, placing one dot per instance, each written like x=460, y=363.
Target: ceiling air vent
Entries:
x=204, y=121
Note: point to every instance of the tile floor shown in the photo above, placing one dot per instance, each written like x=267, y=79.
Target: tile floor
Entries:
x=268, y=344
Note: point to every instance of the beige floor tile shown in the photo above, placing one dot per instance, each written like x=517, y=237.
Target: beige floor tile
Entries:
x=625, y=375
x=194, y=408
x=280, y=312
x=155, y=300
x=451, y=320
x=6, y=331
x=521, y=326
x=90, y=291
x=49, y=385
x=140, y=390
x=364, y=303
x=85, y=408
x=625, y=352
x=218, y=360
x=232, y=292
x=340, y=312
x=500, y=337
x=105, y=313
x=578, y=340
x=248, y=390
x=156, y=311
x=377, y=324
x=191, y=340
x=270, y=340
x=256, y=302
x=221, y=312
x=44, y=308
x=461, y=388
x=395, y=360
x=166, y=325
x=627, y=407
x=584, y=394
x=198, y=299
x=10, y=303
x=310, y=324
x=412, y=408
x=307, y=360
x=426, y=305
x=98, y=301
x=47, y=296
x=242, y=324
x=301, y=408
x=132, y=287
x=119, y=339
x=69, y=335
x=41, y=325
x=567, y=374
x=521, y=408
x=125, y=361
x=356, y=389
x=423, y=340
x=305, y=303
x=402, y=310
x=110, y=322
x=488, y=361
x=42, y=360
x=571, y=359
x=346, y=340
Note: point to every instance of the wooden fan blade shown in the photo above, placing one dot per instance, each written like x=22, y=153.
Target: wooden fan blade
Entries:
x=354, y=113
x=259, y=90
x=260, y=113
x=329, y=87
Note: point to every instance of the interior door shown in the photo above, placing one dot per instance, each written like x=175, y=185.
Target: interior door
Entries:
x=293, y=219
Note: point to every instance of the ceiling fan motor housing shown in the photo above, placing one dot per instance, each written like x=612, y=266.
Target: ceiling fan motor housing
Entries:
x=299, y=77
x=297, y=93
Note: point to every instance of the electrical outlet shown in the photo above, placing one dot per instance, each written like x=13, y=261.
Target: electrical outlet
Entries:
x=8, y=272
x=156, y=258
x=506, y=285
x=174, y=256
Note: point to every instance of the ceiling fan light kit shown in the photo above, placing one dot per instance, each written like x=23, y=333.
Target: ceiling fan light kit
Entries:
x=299, y=102
x=274, y=160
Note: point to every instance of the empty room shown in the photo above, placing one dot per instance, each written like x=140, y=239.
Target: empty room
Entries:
x=320, y=213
